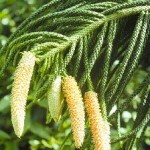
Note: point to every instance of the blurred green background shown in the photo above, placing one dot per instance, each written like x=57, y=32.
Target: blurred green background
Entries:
x=40, y=133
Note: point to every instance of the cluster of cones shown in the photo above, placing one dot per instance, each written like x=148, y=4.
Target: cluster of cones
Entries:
x=99, y=127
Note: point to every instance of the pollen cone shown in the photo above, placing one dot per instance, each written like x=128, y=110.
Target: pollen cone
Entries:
x=55, y=99
x=100, y=129
x=74, y=100
x=20, y=90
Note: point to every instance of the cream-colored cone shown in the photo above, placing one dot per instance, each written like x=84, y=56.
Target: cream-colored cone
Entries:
x=55, y=99
x=100, y=129
x=20, y=90
x=74, y=100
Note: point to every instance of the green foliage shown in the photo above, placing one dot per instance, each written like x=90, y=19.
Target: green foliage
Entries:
x=103, y=44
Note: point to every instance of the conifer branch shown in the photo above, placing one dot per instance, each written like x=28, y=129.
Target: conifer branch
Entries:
x=85, y=39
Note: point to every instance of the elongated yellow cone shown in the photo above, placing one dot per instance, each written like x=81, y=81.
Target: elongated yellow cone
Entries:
x=100, y=129
x=76, y=109
x=20, y=90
